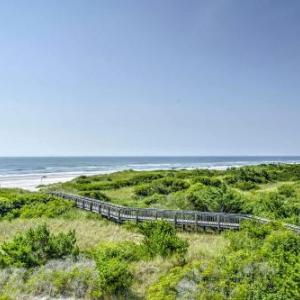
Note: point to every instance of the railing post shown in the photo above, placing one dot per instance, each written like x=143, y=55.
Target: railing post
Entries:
x=91, y=206
x=119, y=215
x=156, y=214
x=99, y=209
x=83, y=204
x=137, y=216
x=175, y=219
x=218, y=220
x=108, y=212
x=196, y=225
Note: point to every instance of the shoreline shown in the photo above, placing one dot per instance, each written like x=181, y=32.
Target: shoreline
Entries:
x=33, y=180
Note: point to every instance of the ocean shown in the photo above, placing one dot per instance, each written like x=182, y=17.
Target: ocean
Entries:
x=29, y=172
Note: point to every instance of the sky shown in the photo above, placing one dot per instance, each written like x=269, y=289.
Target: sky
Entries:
x=152, y=77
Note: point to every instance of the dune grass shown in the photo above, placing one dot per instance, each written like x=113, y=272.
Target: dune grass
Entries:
x=89, y=232
x=201, y=246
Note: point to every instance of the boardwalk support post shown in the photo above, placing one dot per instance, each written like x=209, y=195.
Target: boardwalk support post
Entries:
x=119, y=215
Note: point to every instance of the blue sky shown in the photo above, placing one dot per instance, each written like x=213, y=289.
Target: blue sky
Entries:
x=150, y=77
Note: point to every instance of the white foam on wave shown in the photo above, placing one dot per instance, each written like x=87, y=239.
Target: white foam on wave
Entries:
x=31, y=181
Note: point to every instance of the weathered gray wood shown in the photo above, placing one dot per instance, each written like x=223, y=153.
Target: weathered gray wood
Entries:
x=180, y=218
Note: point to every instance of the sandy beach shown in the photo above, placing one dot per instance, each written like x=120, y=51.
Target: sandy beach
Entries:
x=28, y=173
x=32, y=181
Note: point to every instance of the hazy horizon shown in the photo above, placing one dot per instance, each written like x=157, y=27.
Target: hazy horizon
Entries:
x=149, y=78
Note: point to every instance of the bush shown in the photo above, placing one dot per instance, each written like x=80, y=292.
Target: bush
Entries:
x=64, y=278
x=246, y=185
x=95, y=195
x=262, y=262
x=13, y=199
x=207, y=198
x=144, y=190
x=160, y=239
x=166, y=288
x=36, y=246
x=169, y=185
x=162, y=186
x=255, y=174
x=112, y=264
x=277, y=205
x=211, y=181
x=114, y=276
x=51, y=209
x=127, y=251
x=287, y=190
x=155, y=198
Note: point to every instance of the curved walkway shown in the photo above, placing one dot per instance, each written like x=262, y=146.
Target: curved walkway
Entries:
x=180, y=218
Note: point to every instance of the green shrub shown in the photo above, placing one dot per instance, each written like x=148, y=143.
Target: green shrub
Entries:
x=11, y=200
x=208, y=198
x=163, y=186
x=279, y=206
x=64, y=279
x=51, y=209
x=144, y=190
x=255, y=174
x=95, y=195
x=287, y=190
x=166, y=288
x=246, y=185
x=169, y=185
x=262, y=262
x=206, y=180
x=155, y=198
x=160, y=239
x=127, y=251
x=36, y=246
x=112, y=265
x=114, y=276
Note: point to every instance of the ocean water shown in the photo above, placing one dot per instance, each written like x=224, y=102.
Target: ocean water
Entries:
x=29, y=172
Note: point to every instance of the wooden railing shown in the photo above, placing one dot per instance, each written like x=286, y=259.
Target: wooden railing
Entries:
x=180, y=218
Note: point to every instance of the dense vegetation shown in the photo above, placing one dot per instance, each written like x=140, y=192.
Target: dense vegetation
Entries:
x=266, y=190
x=261, y=262
x=48, y=248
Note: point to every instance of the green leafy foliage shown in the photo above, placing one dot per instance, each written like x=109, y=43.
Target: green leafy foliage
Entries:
x=261, y=263
x=96, y=195
x=17, y=203
x=161, y=186
x=271, y=190
x=36, y=246
x=219, y=199
x=51, y=209
x=160, y=239
x=12, y=199
x=112, y=265
x=206, y=180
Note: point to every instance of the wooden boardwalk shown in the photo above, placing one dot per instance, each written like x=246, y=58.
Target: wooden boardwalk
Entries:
x=180, y=218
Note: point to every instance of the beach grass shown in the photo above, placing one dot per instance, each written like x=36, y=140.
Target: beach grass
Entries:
x=89, y=233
